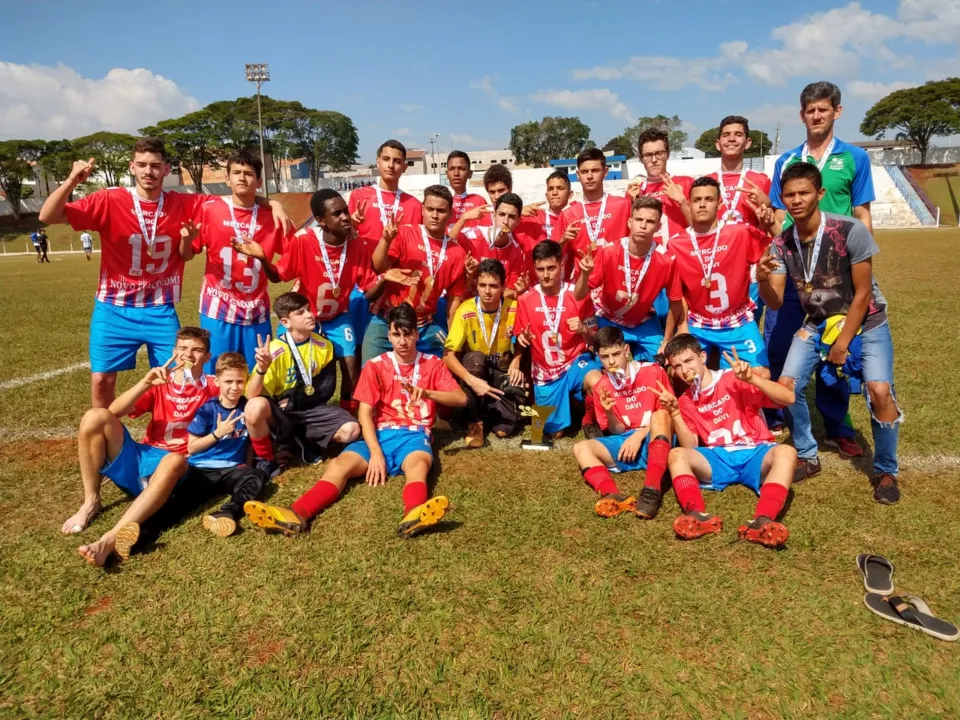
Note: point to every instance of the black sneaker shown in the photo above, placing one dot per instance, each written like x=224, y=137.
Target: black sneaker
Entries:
x=592, y=431
x=649, y=503
x=270, y=467
x=885, y=489
x=805, y=469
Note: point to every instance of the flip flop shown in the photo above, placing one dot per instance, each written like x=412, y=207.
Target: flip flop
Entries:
x=911, y=611
x=877, y=573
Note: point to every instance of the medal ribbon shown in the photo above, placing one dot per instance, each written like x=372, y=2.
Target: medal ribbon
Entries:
x=808, y=272
x=236, y=226
x=383, y=212
x=823, y=158
x=732, y=211
x=633, y=368
x=327, y=264
x=414, y=379
x=596, y=224
x=707, y=270
x=483, y=325
x=301, y=368
x=547, y=216
x=148, y=237
x=627, y=270
x=553, y=321
x=429, y=252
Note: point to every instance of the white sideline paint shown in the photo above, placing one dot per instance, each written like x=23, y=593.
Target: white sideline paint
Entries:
x=19, y=382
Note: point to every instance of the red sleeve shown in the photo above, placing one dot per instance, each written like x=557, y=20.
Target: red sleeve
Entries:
x=586, y=309
x=396, y=247
x=688, y=412
x=758, y=243
x=90, y=212
x=144, y=403
x=192, y=204
x=686, y=183
x=366, y=277
x=520, y=319
x=353, y=201
x=468, y=240
x=459, y=284
x=289, y=266
x=368, y=389
x=416, y=213
x=443, y=379
x=561, y=227
x=674, y=286
x=752, y=396
x=596, y=277
x=273, y=243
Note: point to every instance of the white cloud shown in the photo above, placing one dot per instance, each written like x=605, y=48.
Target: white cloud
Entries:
x=38, y=101
x=662, y=72
x=600, y=100
x=401, y=132
x=875, y=90
x=411, y=107
x=485, y=85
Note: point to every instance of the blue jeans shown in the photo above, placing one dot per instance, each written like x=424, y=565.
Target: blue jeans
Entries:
x=778, y=330
x=376, y=340
x=877, y=356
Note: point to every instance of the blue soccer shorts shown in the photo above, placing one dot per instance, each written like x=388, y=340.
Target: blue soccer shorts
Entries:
x=397, y=444
x=735, y=465
x=644, y=339
x=747, y=339
x=117, y=332
x=339, y=331
x=132, y=468
x=230, y=337
x=557, y=392
x=359, y=314
x=613, y=443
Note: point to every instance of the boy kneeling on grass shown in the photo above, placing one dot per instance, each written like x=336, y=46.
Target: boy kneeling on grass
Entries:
x=398, y=393
x=724, y=440
x=220, y=451
x=151, y=470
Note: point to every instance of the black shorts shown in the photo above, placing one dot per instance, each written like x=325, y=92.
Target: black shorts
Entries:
x=317, y=424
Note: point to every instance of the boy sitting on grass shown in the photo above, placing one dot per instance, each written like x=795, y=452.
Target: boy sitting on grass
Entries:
x=724, y=440
x=398, y=393
x=220, y=451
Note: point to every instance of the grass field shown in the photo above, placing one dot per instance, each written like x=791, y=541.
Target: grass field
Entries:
x=942, y=185
x=528, y=606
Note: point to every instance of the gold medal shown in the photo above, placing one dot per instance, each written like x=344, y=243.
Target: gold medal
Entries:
x=706, y=283
x=308, y=389
x=187, y=365
x=555, y=337
x=808, y=288
x=336, y=292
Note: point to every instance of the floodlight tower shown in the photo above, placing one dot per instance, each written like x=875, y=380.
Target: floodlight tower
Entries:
x=259, y=73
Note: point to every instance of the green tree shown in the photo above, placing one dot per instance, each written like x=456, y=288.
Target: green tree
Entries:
x=194, y=142
x=670, y=125
x=111, y=150
x=918, y=114
x=56, y=160
x=620, y=145
x=707, y=143
x=323, y=138
x=537, y=143
x=17, y=158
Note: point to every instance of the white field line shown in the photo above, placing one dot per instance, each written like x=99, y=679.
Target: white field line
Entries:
x=19, y=382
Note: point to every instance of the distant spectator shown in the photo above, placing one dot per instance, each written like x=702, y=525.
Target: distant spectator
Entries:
x=86, y=242
x=35, y=239
x=42, y=245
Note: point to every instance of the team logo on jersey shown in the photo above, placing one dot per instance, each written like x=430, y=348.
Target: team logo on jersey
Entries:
x=836, y=163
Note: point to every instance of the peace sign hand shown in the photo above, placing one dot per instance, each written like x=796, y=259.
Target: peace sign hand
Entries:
x=359, y=214
x=587, y=262
x=672, y=190
x=668, y=401
x=262, y=355
x=226, y=427
x=531, y=209
x=570, y=234
x=414, y=392
x=522, y=283
x=754, y=194
x=741, y=368
x=526, y=337
x=189, y=230
x=391, y=229
x=767, y=266
x=471, y=264
x=477, y=212
x=159, y=375
x=606, y=398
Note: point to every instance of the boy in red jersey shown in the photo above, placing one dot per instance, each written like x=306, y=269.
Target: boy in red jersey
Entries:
x=425, y=249
x=537, y=223
x=625, y=299
x=495, y=242
x=740, y=190
x=234, y=303
x=713, y=263
x=373, y=207
x=458, y=175
x=398, y=392
x=628, y=397
x=653, y=146
x=143, y=231
x=723, y=440
x=553, y=319
x=147, y=471
x=497, y=181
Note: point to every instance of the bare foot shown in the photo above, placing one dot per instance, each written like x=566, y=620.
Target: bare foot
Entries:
x=127, y=537
x=99, y=552
x=79, y=520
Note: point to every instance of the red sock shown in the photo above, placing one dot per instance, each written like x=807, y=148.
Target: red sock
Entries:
x=319, y=497
x=657, y=453
x=599, y=479
x=263, y=447
x=414, y=494
x=589, y=414
x=688, y=493
x=772, y=499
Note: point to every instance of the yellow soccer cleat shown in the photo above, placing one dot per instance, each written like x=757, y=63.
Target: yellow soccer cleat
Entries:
x=274, y=517
x=220, y=525
x=423, y=516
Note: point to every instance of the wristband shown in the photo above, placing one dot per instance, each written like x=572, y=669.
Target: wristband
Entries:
x=214, y=433
x=258, y=371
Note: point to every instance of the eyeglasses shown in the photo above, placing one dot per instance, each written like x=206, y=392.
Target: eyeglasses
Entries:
x=658, y=155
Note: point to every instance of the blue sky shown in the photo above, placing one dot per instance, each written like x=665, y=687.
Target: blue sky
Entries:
x=411, y=69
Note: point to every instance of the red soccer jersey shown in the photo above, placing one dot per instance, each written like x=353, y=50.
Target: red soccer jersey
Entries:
x=379, y=386
x=613, y=226
x=670, y=207
x=409, y=250
x=171, y=409
x=535, y=229
x=608, y=283
x=727, y=412
x=476, y=241
x=303, y=260
x=726, y=303
x=555, y=346
x=371, y=229
x=131, y=273
x=738, y=200
x=234, y=286
x=463, y=203
x=636, y=393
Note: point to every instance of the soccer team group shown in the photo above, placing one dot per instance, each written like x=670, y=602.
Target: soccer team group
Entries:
x=645, y=308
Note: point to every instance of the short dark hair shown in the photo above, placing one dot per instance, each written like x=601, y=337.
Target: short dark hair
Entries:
x=651, y=135
x=150, y=145
x=706, y=181
x=245, y=157
x=822, y=90
x=509, y=198
x=559, y=175
x=588, y=154
x=402, y=317
x=548, y=249
x=647, y=202
x=231, y=361
x=439, y=191
x=681, y=343
x=289, y=302
x=492, y=266
x=454, y=154
x=609, y=336
x=190, y=332
x=318, y=201
x=498, y=173
x=394, y=145
x=735, y=120
x=802, y=171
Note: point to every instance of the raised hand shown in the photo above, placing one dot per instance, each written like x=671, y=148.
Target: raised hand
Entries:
x=767, y=266
x=522, y=283
x=82, y=170
x=672, y=190
x=359, y=213
x=526, y=338
x=754, y=194
x=189, y=230
x=531, y=209
x=414, y=392
x=392, y=228
x=402, y=276
x=471, y=264
x=576, y=325
x=570, y=234
x=262, y=355
x=587, y=262
x=741, y=368
x=668, y=401
x=634, y=188
x=281, y=218
x=226, y=427
x=159, y=375
x=607, y=399
x=477, y=212
x=250, y=248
